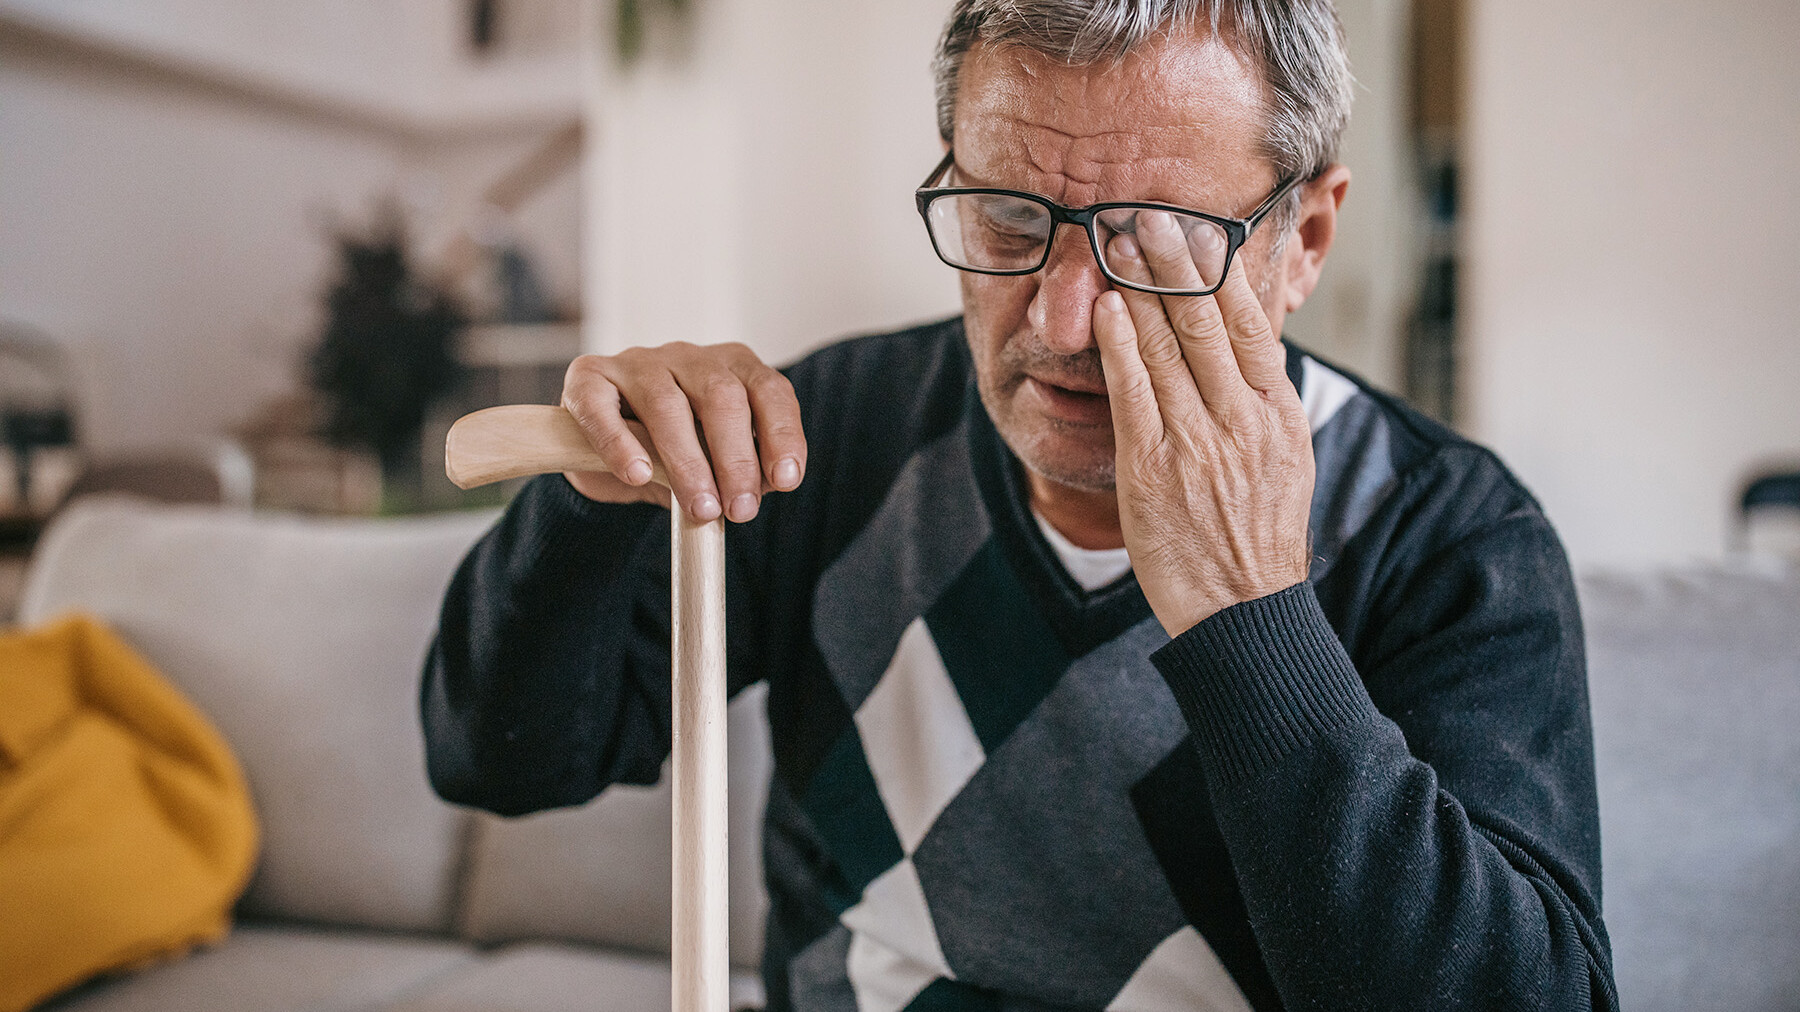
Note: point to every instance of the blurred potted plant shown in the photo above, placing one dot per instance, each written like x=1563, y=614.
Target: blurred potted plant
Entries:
x=630, y=24
x=387, y=355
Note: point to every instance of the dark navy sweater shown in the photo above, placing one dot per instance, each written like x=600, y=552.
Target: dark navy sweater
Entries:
x=996, y=790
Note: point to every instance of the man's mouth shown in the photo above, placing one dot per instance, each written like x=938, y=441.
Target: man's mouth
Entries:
x=1072, y=400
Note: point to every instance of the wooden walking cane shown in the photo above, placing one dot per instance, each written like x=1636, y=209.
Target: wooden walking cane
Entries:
x=525, y=439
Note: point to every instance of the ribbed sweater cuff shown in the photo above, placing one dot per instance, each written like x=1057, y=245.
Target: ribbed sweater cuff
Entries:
x=1262, y=680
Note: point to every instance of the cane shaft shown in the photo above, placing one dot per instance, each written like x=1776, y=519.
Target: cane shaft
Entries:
x=520, y=440
x=699, y=957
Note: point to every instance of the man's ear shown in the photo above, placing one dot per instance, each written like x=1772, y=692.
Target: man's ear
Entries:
x=1304, y=258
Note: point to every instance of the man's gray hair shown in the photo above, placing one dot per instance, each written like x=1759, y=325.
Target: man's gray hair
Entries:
x=1297, y=45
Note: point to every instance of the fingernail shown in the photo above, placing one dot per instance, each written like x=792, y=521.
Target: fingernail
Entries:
x=705, y=507
x=1128, y=247
x=1112, y=302
x=787, y=473
x=637, y=472
x=743, y=507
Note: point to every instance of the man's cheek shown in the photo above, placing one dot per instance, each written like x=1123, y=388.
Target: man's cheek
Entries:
x=999, y=304
x=986, y=318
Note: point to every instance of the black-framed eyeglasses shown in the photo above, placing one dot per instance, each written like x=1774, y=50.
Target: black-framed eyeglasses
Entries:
x=989, y=230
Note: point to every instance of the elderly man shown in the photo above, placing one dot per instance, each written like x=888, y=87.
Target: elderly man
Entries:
x=1119, y=656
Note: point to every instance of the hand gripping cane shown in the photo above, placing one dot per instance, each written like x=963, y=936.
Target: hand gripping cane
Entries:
x=525, y=439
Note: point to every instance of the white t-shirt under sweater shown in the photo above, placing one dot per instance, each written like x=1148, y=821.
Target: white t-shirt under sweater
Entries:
x=1092, y=568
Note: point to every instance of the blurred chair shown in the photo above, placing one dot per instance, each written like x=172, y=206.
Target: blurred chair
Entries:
x=37, y=420
x=1768, y=520
x=220, y=473
x=1771, y=490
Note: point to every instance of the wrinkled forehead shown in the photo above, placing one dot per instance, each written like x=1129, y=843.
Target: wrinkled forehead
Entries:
x=1179, y=119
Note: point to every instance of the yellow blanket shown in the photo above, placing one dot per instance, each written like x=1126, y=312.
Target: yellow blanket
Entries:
x=126, y=830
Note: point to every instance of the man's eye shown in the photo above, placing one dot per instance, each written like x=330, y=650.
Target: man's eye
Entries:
x=1013, y=228
x=1001, y=234
x=1010, y=216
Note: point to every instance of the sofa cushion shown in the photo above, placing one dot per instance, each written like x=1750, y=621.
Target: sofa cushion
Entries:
x=555, y=978
x=601, y=873
x=302, y=639
x=265, y=968
x=1695, y=680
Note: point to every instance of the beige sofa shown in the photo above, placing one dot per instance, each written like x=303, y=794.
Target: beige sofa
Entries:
x=303, y=640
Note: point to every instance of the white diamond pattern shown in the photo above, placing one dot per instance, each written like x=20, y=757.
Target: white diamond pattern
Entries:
x=917, y=737
x=922, y=750
x=894, y=951
x=1182, y=975
x=884, y=980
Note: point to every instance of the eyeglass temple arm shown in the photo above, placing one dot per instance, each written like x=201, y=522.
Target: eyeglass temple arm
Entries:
x=949, y=157
x=1282, y=189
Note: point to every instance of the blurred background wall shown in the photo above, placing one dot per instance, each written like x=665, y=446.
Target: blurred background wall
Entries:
x=170, y=173
x=754, y=176
x=1566, y=232
x=1633, y=336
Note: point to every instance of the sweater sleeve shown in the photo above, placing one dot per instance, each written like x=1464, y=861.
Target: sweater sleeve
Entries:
x=548, y=678
x=1440, y=849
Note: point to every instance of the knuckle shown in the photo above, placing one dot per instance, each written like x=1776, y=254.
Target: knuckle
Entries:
x=783, y=431
x=575, y=404
x=666, y=404
x=1139, y=391
x=1245, y=312
x=583, y=377
x=1161, y=353
x=615, y=444
x=662, y=406
x=587, y=408
x=1133, y=270
x=636, y=369
x=583, y=367
x=742, y=471
x=692, y=473
x=772, y=385
x=685, y=354
x=632, y=358
x=720, y=392
x=1200, y=325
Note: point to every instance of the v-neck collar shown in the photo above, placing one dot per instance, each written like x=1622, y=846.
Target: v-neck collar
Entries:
x=1082, y=620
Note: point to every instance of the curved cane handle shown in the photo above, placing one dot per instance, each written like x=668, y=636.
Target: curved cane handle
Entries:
x=519, y=440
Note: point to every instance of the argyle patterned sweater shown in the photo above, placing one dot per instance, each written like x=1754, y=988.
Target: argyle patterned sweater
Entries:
x=996, y=790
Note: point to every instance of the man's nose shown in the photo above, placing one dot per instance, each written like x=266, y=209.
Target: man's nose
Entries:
x=1062, y=310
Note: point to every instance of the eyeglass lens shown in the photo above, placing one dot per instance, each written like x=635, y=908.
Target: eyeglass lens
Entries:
x=996, y=232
